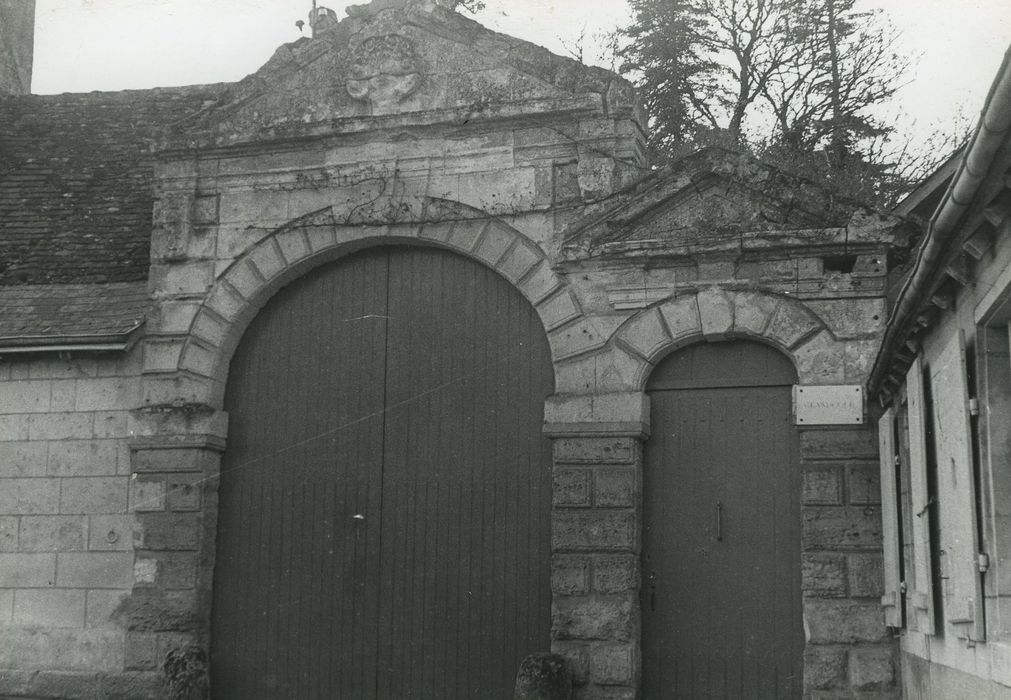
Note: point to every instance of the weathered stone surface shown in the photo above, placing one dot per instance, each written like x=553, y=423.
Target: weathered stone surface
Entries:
x=866, y=575
x=753, y=312
x=716, y=313
x=47, y=607
x=645, y=333
x=570, y=574
x=614, y=487
x=839, y=444
x=872, y=668
x=52, y=533
x=571, y=487
x=609, y=618
x=831, y=621
x=824, y=667
x=592, y=529
x=611, y=664
x=94, y=569
x=790, y=324
x=594, y=450
x=823, y=576
x=171, y=530
x=152, y=610
x=609, y=370
x=834, y=528
x=682, y=316
x=850, y=319
x=543, y=676
x=822, y=485
x=820, y=360
x=863, y=484
x=615, y=573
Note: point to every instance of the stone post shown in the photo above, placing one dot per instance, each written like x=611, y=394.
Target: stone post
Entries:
x=595, y=538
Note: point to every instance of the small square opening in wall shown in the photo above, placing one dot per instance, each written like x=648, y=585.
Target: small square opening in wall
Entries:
x=836, y=404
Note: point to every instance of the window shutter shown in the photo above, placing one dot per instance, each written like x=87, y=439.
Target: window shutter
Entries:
x=892, y=598
x=956, y=491
x=922, y=590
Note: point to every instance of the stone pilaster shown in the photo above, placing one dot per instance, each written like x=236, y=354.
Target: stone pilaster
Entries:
x=595, y=538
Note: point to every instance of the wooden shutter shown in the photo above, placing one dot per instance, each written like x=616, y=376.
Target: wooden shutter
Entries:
x=892, y=598
x=956, y=491
x=921, y=590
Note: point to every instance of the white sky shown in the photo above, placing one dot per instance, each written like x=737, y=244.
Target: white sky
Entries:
x=83, y=45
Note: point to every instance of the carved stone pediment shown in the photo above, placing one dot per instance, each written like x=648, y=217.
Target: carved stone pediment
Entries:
x=716, y=201
x=398, y=61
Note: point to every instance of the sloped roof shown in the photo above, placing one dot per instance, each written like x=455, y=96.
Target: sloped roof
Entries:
x=47, y=314
x=75, y=182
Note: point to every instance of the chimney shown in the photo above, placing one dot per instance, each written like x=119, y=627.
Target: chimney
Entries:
x=17, y=43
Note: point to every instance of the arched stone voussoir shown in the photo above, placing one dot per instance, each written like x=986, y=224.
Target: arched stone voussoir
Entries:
x=294, y=249
x=716, y=313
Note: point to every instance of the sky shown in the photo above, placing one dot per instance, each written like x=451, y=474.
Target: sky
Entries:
x=84, y=45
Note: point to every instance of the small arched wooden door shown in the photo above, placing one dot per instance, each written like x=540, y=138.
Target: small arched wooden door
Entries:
x=721, y=599
x=385, y=496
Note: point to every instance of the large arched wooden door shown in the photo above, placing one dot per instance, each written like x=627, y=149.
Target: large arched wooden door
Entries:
x=385, y=496
x=721, y=599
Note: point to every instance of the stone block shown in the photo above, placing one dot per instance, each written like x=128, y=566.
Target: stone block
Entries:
x=177, y=570
x=614, y=487
x=225, y=302
x=617, y=573
x=594, y=450
x=577, y=656
x=21, y=458
x=851, y=318
x=871, y=668
x=145, y=571
x=94, y=569
x=576, y=339
x=293, y=245
x=609, y=370
x=82, y=458
x=537, y=285
x=47, y=607
x=141, y=651
x=147, y=494
x=244, y=278
x=114, y=533
x=9, y=526
x=518, y=261
x=30, y=496
x=59, y=426
x=180, y=280
x=107, y=394
x=593, y=530
x=570, y=575
x=171, y=530
x=109, y=424
x=32, y=648
x=136, y=685
x=26, y=396
x=64, y=395
x=824, y=667
x=172, y=460
x=612, y=664
x=839, y=444
x=791, y=324
x=866, y=576
x=645, y=334
x=13, y=427
x=62, y=368
x=840, y=528
x=183, y=492
x=609, y=618
x=571, y=487
x=6, y=606
x=153, y=610
x=716, y=313
x=102, y=606
x=175, y=317
x=92, y=495
x=20, y=570
x=753, y=312
x=863, y=484
x=624, y=412
x=52, y=533
x=494, y=243
x=832, y=621
x=858, y=359
x=822, y=485
x=558, y=310
x=682, y=316
x=823, y=576
x=820, y=360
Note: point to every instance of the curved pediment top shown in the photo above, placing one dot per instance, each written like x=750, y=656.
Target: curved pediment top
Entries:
x=399, y=62
x=711, y=199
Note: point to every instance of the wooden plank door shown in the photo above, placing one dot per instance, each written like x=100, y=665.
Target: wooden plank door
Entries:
x=721, y=600
x=384, y=500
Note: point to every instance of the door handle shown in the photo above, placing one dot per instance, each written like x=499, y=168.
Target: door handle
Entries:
x=719, y=521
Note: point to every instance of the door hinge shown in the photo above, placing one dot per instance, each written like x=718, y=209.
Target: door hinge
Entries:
x=973, y=407
x=902, y=587
x=983, y=562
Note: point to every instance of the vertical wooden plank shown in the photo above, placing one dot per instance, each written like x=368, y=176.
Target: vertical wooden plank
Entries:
x=956, y=483
x=922, y=595
x=891, y=600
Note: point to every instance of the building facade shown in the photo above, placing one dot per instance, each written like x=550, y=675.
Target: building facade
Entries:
x=394, y=363
x=942, y=378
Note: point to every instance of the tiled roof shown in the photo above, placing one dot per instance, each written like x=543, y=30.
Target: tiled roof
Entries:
x=75, y=182
x=44, y=314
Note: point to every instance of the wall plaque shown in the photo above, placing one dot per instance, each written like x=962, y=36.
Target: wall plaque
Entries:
x=841, y=404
